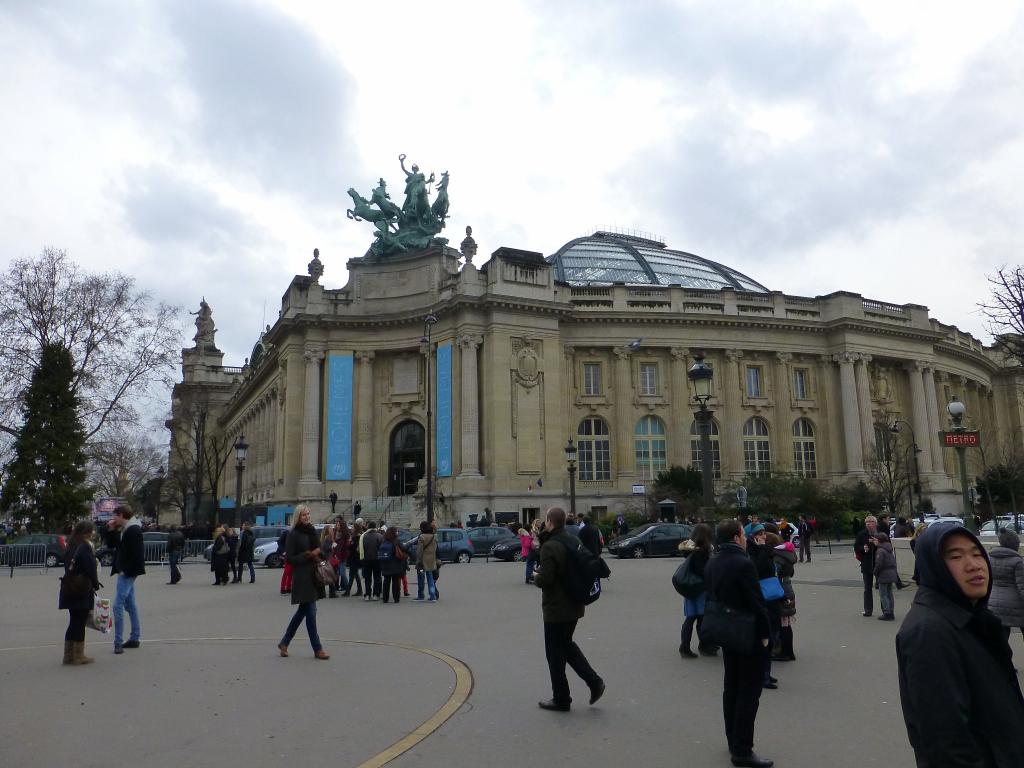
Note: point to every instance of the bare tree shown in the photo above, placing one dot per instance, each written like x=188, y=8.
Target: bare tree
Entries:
x=889, y=468
x=198, y=459
x=121, y=341
x=1005, y=310
x=122, y=460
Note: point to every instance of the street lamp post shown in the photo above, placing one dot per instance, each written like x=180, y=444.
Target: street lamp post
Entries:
x=241, y=451
x=159, y=490
x=428, y=323
x=916, y=486
x=570, y=460
x=700, y=376
x=956, y=412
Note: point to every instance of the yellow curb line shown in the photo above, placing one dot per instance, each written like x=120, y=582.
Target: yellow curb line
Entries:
x=463, y=688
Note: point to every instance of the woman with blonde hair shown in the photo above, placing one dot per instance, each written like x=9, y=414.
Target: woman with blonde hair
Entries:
x=303, y=552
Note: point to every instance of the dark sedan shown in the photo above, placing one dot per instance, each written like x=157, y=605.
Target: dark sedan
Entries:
x=651, y=540
x=485, y=537
x=509, y=550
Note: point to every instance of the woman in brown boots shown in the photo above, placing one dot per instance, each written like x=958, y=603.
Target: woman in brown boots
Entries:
x=77, y=591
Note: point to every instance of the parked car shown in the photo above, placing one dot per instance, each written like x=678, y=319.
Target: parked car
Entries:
x=651, y=540
x=261, y=533
x=265, y=552
x=484, y=537
x=56, y=547
x=453, y=545
x=992, y=529
x=509, y=550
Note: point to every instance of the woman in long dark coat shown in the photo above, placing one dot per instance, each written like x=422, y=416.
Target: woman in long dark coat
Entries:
x=79, y=561
x=219, y=556
x=246, y=547
x=303, y=552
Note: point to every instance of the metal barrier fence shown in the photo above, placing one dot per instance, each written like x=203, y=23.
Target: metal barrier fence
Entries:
x=155, y=551
x=23, y=555
x=194, y=548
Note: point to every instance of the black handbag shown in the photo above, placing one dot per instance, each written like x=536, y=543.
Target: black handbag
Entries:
x=686, y=582
x=74, y=585
x=732, y=629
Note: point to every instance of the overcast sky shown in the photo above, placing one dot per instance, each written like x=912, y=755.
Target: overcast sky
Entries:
x=206, y=147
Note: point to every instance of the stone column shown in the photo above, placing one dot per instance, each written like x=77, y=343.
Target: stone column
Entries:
x=682, y=413
x=731, y=427
x=309, y=479
x=867, y=420
x=931, y=402
x=851, y=414
x=919, y=414
x=624, y=459
x=783, y=451
x=363, y=408
x=470, y=412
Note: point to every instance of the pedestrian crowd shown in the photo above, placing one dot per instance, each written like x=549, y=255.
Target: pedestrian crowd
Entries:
x=961, y=699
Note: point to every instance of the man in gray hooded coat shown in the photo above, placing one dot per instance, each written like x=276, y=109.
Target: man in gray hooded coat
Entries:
x=961, y=700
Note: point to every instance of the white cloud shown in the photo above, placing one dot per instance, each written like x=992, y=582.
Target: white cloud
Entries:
x=206, y=148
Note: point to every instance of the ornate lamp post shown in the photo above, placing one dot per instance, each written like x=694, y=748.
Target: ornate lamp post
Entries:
x=570, y=460
x=241, y=451
x=428, y=323
x=700, y=376
x=916, y=486
x=956, y=412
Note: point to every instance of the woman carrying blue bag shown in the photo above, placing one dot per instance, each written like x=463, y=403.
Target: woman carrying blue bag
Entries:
x=760, y=550
x=699, y=546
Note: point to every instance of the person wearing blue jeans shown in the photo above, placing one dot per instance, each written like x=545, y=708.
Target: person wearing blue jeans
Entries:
x=426, y=577
x=124, y=600
x=129, y=564
x=305, y=611
x=302, y=550
x=426, y=562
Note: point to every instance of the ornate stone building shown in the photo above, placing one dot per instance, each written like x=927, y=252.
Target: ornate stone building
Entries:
x=592, y=343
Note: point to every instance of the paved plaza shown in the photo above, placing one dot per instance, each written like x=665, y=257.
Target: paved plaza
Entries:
x=454, y=683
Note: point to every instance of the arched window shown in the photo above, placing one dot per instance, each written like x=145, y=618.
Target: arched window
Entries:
x=757, y=452
x=716, y=449
x=804, y=462
x=595, y=449
x=649, y=446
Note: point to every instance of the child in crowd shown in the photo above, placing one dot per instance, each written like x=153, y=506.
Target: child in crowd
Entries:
x=885, y=575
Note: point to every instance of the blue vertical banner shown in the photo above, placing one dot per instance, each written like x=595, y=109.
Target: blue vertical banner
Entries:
x=339, y=417
x=443, y=413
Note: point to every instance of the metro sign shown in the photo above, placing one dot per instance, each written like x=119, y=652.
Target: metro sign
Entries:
x=960, y=439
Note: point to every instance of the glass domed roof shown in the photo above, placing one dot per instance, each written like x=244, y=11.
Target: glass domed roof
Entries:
x=604, y=258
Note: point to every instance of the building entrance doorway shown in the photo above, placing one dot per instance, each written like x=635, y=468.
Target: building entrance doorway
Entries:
x=406, y=458
x=528, y=515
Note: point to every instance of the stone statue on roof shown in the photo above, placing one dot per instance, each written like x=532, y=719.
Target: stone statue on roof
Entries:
x=415, y=225
x=205, y=329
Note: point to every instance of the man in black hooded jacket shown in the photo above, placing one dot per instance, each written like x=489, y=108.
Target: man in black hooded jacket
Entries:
x=961, y=700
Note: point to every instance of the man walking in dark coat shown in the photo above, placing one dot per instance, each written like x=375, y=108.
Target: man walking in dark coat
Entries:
x=590, y=535
x=561, y=616
x=175, y=548
x=732, y=581
x=129, y=564
x=961, y=700
x=246, y=547
x=805, y=529
x=864, y=551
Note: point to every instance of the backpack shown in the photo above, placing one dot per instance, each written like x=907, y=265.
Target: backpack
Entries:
x=583, y=571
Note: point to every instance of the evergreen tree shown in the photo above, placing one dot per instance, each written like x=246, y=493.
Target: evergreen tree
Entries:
x=46, y=478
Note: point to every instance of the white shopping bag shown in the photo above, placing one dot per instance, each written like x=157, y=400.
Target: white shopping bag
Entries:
x=99, y=617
